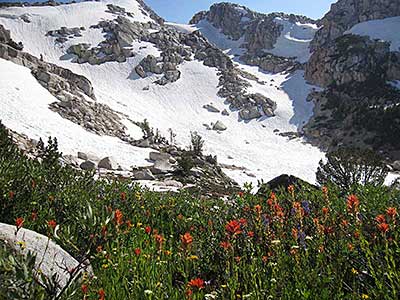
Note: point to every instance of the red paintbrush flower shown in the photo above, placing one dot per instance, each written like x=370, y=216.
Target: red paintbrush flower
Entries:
x=383, y=227
x=225, y=245
x=380, y=219
x=196, y=283
x=233, y=227
x=187, y=240
x=391, y=212
x=84, y=289
x=147, y=229
x=119, y=217
x=19, y=222
x=52, y=224
x=102, y=294
x=353, y=203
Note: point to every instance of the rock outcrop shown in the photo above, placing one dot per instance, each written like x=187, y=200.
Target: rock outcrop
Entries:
x=63, y=34
x=344, y=14
x=75, y=95
x=352, y=58
x=357, y=108
x=51, y=259
x=120, y=34
x=258, y=33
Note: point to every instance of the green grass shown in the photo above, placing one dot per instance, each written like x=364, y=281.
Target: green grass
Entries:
x=295, y=244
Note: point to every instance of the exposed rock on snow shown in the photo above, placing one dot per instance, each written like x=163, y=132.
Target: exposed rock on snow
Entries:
x=225, y=113
x=249, y=113
x=63, y=34
x=143, y=175
x=211, y=108
x=156, y=156
x=271, y=63
x=219, y=126
x=120, y=34
x=344, y=14
x=109, y=163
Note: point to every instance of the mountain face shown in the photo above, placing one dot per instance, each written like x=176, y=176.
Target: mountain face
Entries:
x=345, y=14
x=356, y=60
x=111, y=79
x=275, y=42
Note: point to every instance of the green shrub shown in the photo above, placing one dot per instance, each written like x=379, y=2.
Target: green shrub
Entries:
x=348, y=167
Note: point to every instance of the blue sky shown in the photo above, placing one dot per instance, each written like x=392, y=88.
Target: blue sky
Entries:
x=182, y=10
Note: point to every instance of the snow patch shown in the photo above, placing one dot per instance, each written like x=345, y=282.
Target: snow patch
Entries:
x=220, y=40
x=294, y=40
x=184, y=28
x=25, y=109
x=384, y=29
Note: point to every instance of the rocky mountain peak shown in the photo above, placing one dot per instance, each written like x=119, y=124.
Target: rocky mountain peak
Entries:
x=258, y=31
x=346, y=13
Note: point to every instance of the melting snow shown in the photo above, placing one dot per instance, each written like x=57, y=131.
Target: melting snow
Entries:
x=294, y=40
x=384, y=29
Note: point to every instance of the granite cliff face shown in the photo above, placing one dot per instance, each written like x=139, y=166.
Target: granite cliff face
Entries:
x=352, y=58
x=346, y=13
x=257, y=32
x=358, y=106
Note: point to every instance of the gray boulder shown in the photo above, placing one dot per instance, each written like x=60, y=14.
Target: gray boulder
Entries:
x=219, y=126
x=225, y=112
x=88, y=165
x=143, y=175
x=396, y=165
x=250, y=113
x=109, y=163
x=211, y=108
x=51, y=259
x=161, y=167
x=82, y=155
x=157, y=156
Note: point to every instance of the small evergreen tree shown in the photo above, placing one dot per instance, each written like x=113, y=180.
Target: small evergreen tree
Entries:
x=146, y=129
x=185, y=163
x=197, y=144
x=349, y=167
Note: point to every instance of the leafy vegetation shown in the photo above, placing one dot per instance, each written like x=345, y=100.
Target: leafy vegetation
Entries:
x=349, y=167
x=197, y=143
x=292, y=244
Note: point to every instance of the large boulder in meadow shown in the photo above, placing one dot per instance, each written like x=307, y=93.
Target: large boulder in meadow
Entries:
x=51, y=259
x=282, y=182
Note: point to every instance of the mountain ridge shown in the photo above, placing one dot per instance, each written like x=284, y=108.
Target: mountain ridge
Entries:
x=144, y=68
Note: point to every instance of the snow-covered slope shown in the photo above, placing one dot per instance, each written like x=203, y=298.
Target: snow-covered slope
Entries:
x=217, y=38
x=254, y=145
x=294, y=40
x=384, y=29
x=24, y=108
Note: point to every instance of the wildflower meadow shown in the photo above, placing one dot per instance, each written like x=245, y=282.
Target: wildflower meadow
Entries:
x=293, y=243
